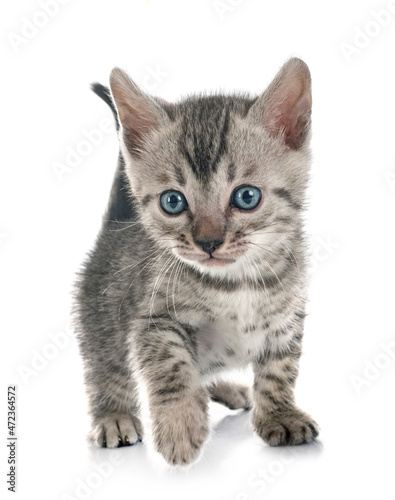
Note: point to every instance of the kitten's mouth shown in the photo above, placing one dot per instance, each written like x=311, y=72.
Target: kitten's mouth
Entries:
x=216, y=261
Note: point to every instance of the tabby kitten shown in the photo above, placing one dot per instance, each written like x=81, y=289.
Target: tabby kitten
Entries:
x=200, y=265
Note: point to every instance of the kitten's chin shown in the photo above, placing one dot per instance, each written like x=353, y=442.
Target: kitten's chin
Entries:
x=212, y=265
x=216, y=262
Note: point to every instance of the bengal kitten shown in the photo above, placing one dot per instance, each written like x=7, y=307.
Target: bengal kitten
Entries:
x=200, y=265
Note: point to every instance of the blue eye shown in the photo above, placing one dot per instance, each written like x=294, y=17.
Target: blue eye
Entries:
x=173, y=202
x=246, y=197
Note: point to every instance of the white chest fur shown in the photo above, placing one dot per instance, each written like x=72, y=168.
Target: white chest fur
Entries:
x=238, y=330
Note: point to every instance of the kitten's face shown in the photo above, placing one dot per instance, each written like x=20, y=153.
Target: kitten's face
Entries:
x=220, y=180
x=254, y=167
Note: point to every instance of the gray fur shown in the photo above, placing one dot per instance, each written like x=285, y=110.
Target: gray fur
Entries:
x=148, y=309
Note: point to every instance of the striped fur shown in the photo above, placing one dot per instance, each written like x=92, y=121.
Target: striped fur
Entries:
x=147, y=305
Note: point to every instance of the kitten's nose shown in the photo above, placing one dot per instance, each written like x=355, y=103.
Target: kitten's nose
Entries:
x=209, y=246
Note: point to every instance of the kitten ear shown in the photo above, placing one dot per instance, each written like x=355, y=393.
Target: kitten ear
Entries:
x=284, y=109
x=138, y=112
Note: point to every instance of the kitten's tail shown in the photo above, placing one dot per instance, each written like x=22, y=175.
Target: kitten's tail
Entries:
x=119, y=206
x=104, y=93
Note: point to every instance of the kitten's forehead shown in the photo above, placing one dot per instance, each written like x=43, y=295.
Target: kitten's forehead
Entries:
x=205, y=122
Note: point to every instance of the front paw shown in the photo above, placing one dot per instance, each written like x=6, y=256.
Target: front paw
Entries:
x=116, y=429
x=180, y=429
x=293, y=427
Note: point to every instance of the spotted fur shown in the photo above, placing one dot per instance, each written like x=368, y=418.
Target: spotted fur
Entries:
x=149, y=307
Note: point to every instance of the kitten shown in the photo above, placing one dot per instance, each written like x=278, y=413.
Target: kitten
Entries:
x=200, y=265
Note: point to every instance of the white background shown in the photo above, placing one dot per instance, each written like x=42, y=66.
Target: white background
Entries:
x=49, y=221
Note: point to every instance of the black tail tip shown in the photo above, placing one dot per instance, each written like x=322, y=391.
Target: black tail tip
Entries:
x=104, y=93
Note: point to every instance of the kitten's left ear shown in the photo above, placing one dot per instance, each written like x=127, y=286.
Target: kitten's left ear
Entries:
x=139, y=113
x=284, y=109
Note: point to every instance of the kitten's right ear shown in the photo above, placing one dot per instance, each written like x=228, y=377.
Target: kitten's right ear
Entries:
x=137, y=111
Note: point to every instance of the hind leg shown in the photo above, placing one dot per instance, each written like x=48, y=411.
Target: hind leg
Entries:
x=230, y=394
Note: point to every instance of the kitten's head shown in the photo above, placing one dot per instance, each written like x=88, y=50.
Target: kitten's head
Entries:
x=220, y=180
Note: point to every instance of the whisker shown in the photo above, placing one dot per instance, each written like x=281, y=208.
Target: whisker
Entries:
x=283, y=246
x=177, y=277
x=157, y=284
x=290, y=254
x=117, y=221
x=271, y=268
x=263, y=281
x=134, y=265
x=172, y=267
x=127, y=227
x=129, y=287
x=131, y=266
